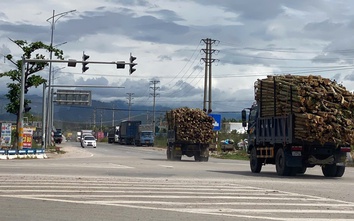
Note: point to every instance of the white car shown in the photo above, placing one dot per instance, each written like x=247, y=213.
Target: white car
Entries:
x=89, y=141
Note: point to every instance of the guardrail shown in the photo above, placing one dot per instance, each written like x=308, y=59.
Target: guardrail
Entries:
x=23, y=154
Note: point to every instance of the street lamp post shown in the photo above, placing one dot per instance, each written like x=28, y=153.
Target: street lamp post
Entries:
x=49, y=115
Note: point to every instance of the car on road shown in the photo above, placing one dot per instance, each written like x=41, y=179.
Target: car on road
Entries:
x=88, y=141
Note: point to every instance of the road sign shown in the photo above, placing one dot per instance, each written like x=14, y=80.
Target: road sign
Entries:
x=73, y=97
x=217, y=123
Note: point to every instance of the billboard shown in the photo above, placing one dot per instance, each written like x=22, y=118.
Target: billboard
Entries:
x=27, y=137
x=6, y=134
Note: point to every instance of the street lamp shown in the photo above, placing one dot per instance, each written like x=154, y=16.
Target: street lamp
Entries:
x=52, y=21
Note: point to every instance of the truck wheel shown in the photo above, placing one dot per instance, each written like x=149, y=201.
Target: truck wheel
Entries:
x=280, y=164
x=197, y=157
x=179, y=158
x=255, y=163
x=301, y=170
x=205, y=159
x=329, y=170
x=340, y=171
x=168, y=153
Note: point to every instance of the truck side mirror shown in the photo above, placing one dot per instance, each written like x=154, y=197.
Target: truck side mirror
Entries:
x=243, y=114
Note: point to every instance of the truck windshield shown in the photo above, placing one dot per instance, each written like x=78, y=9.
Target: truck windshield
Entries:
x=146, y=134
x=253, y=114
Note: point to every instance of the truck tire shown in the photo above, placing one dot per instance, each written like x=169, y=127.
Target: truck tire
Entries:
x=301, y=170
x=280, y=164
x=204, y=159
x=197, y=158
x=332, y=170
x=329, y=170
x=168, y=153
x=255, y=163
x=340, y=171
x=178, y=158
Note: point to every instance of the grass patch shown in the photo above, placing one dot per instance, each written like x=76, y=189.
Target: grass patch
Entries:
x=55, y=149
x=160, y=141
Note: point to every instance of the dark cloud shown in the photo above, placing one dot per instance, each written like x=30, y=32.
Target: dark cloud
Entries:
x=24, y=32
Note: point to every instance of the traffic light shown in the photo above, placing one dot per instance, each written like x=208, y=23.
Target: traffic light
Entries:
x=26, y=108
x=131, y=65
x=120, y=64
x=84, y=64
x=26, y=87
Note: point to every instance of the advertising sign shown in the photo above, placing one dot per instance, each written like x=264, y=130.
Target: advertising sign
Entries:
x=6, y=134
x=27, y=138
x=100, y=135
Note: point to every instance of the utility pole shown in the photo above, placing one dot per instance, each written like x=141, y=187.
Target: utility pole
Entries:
x=154, y=94
x=113, y=115
x=94, y=118
x=101, y=120
x=208, y=61
x=129, y=103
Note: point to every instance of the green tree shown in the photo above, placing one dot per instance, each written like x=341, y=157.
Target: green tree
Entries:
x=30, y=51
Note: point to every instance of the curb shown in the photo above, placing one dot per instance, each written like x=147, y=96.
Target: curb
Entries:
x=23, y=154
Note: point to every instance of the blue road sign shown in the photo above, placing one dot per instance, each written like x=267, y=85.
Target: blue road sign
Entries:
x=217, y=123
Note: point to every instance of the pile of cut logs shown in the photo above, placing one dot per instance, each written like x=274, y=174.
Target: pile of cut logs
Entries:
x=191, y=125
x=323, y=109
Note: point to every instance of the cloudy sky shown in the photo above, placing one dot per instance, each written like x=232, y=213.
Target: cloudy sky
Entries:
x=253, y=39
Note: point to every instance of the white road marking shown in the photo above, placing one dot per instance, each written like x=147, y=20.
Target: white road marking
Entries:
x=179, y=195
x=167, y=166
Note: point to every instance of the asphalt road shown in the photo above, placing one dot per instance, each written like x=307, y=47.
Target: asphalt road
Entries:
x=115, y=182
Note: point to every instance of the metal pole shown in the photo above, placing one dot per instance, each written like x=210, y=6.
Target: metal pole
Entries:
x=44, y=108
x=49, y=106
x=21, y=108
x=49, y=97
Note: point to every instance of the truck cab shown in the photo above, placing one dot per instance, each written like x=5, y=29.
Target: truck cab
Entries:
x=144, y=138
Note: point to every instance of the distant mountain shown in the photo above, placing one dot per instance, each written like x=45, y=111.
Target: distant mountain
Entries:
x=105, y=113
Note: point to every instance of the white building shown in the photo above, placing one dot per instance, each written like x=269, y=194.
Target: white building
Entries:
x=228, y=127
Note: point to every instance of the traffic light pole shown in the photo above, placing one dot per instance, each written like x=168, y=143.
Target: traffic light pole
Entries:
x=70, y=62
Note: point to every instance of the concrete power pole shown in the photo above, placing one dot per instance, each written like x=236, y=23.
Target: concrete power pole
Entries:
x=94, y=118
x=154, y=94
x=129, y=103
x=208, y=61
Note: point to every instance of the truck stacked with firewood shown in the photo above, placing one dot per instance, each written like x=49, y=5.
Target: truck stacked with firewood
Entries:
x=190, y=132
x=299, y=122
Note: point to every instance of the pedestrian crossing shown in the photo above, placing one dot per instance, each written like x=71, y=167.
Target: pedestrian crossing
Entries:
x=219, y=198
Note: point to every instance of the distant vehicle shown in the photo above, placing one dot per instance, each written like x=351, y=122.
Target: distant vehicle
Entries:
x=78, y=136
x=86, y=133
x=128, y=131
x=190, y=132
x=144, y=136
x=58, y=136
x=112, y=134
x=89, y=141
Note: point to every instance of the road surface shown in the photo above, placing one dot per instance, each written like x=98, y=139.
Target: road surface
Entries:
x=115, y=182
